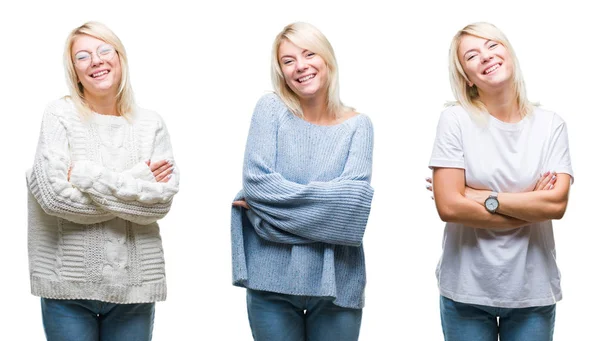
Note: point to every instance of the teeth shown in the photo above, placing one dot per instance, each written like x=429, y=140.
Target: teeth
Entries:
x=98, y=74
x=492, y=69
x=305, y=78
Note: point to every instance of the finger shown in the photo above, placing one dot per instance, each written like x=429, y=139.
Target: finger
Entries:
x=161, y=169
x=148, y=163
x=428, y=179
x=537, y=186
x=429, y=187
x=241, y=203
x=163, y=174
x=432, y=198
x=551, y=183
x=543, y=181
x=156, y=165
x=166, y=178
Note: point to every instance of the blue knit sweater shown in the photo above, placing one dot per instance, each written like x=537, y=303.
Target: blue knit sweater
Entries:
x=310, y=198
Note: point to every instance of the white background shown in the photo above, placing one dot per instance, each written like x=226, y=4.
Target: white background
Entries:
x=204, y=66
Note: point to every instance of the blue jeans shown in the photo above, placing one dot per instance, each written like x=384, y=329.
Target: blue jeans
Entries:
x=89, y=320
x=465, y=322
x=280, y=317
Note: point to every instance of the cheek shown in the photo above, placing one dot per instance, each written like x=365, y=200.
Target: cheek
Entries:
x=80, y=75
x=287, y=77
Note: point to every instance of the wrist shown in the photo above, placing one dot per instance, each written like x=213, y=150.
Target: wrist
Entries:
x=491, y=203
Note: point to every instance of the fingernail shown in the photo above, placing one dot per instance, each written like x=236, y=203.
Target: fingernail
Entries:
x=169, y=176
x=553, y=177
x=551, y=186
x=170, y=162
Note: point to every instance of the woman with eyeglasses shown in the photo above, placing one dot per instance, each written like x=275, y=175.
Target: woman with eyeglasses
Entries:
x=501, y=174
x=103, y=175
x=298, y=224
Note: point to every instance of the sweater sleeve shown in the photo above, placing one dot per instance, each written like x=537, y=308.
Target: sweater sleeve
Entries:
x=133, y=195
x=334, y=212
x=47, y=180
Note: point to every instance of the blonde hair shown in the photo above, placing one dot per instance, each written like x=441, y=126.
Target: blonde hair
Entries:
x=308, y=37
x=125, y=100
x=468, y=96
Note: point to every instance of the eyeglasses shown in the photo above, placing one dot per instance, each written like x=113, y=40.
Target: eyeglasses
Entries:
x=105, y=52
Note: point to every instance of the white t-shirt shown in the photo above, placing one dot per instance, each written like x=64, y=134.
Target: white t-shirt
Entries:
x=509, y=268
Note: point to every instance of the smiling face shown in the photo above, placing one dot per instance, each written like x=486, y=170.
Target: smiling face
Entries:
x=304, y=71
x=100, y=74
x=487, y=64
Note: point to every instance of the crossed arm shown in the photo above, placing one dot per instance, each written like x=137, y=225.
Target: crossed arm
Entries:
x=458, y=203
x=283, y=211
x=87, y=193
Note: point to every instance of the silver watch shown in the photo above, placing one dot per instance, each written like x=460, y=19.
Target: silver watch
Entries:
x=491, y=203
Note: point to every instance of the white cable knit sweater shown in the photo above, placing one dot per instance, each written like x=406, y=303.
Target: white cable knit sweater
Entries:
x=95, y=236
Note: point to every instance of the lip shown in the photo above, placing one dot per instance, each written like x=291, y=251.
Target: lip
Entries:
x=493, y=71
x=307, y=80
x=99, y=77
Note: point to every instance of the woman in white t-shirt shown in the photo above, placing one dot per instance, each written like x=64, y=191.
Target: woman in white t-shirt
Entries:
x=501, y=173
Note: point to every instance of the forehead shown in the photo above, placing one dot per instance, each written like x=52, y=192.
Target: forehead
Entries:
x=288, y=48
x=83, y=42
x=468, y=42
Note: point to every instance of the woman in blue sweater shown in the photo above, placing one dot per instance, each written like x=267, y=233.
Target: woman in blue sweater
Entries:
x=297, y=225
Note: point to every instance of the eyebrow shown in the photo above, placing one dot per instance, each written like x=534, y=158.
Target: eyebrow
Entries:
x=471, y=50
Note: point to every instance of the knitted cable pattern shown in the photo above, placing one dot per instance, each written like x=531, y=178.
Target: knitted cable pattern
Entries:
x=95, y=236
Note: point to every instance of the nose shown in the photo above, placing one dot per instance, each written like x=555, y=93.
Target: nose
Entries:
x=96, y=59
x=486, y=56
x=301, y=65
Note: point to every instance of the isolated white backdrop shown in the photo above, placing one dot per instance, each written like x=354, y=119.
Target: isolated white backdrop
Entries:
x=203, y=66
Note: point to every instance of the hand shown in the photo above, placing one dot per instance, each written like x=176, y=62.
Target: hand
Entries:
x=241, y=203
x=545, y=182
x=161, y=170
x=69, y=173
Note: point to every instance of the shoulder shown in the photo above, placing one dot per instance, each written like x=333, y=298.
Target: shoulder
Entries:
x=61, y=108
x=454, y=116
x=454, y=112
x=360, y=121
x=146, y=115
x=270, y=104
x=547, y=115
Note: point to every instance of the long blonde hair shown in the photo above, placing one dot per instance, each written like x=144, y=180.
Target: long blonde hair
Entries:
x=125, y=99
x=468, y=96
x=308, y=37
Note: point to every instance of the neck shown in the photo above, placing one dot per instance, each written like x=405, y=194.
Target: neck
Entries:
x=315, y=110
x=102, y=104
x=502, y=105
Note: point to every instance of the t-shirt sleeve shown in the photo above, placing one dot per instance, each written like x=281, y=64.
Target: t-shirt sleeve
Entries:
x=447, y=147
x=559, y=157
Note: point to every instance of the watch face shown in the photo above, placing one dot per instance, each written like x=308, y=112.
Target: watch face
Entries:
x=491, y=204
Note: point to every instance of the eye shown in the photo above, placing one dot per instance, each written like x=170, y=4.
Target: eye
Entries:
x=105, y=50
x=80, y=56
x=287, y=61
x=310, y=54
x=471, y=56
x=492, y=45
